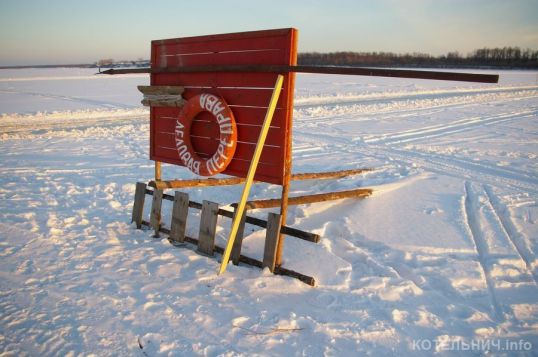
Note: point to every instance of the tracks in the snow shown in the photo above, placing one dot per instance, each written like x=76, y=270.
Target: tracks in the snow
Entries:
x=69, y=122
x=449, y=165
x=519, y=242
x=68, y=98
x=451, y=96
x=430, y=132
x=342, y=111
x=473, y=224
x=477, y=200
x=504, y=254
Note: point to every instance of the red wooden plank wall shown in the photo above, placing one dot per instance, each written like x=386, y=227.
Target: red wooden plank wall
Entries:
x=247, y=94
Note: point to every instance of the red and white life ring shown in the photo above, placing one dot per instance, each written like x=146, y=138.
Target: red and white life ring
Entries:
x=227, y=139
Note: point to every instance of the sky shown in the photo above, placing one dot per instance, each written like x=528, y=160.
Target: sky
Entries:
x=73, y=31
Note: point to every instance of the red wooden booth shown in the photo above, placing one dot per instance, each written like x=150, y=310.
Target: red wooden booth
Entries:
x=246, y=93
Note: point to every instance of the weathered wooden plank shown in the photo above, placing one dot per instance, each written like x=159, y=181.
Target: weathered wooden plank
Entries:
x=138, y=205
x=236, y=249
x=162, y=96
x=250, y=261
x=161, y=90
x=155, y=217
x=290, y=231
x=180, y=211
x=208, y=227
x=271, y=241
x=162, y=101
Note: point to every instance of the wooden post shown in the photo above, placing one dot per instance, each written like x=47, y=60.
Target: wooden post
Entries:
x=284, y=216
x=155, y=218
x=236, y=249
x=271, y=241
x=288, y=156
x=157, y=171
x=251, y=172
x=138, y=205
x=208, y=227
x=180, y=211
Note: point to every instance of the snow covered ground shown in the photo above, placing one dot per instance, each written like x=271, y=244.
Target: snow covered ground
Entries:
x=442, y=258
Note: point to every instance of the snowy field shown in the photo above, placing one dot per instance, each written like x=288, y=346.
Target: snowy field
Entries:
x=442, y=258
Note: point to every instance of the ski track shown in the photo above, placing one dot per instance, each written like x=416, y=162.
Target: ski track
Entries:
x=471, y=172
x=97, y=103
x=438, y=163
x=68, y=122
x=451, y=128
x=387, y=146
x=393, y=109
x=518, y=240
x=303, y=103
x=475, y=232
x=464, y=169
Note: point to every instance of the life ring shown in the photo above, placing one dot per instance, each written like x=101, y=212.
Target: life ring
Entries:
x=227, y=140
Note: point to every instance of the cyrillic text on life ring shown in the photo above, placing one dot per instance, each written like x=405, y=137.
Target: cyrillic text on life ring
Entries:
x=227, y=139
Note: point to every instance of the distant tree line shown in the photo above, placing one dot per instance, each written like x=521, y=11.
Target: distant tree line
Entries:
x=506, y=57
x=111, y=63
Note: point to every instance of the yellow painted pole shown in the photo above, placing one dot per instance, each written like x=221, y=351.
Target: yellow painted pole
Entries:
x=251, y=171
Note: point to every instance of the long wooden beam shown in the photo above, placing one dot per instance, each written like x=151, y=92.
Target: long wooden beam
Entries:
x=238, y=180
x=355, y=71
x=328, y=175
x=196, y=183
x=301, y=200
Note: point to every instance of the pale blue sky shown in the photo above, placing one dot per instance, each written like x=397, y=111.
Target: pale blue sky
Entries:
x=63, y=31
